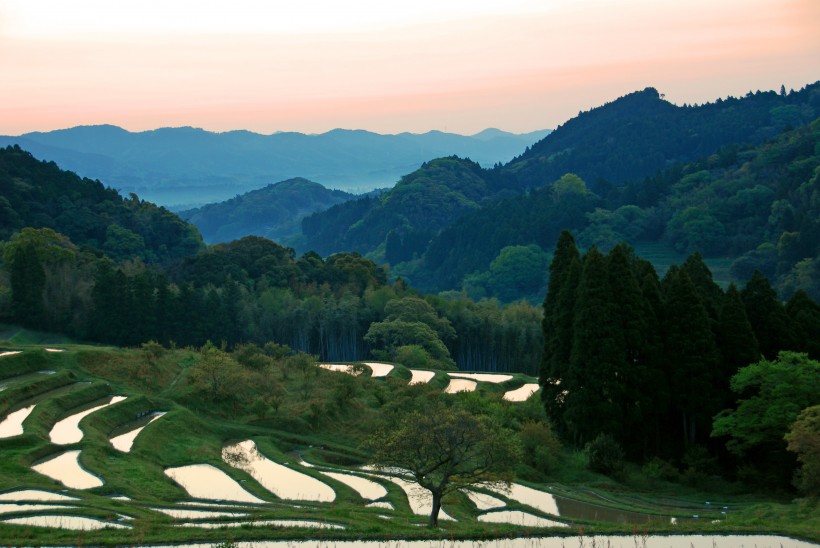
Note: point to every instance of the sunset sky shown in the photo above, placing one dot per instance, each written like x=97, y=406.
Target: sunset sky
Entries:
x=385, y=66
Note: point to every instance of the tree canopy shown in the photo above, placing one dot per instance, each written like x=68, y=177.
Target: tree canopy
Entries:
x=444, y=450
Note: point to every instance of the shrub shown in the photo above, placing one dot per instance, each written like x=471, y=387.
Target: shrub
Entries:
x=604, y=455
x=541, y=446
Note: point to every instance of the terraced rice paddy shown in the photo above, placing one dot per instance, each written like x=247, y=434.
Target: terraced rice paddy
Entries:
x=67, y=430
x=66, y=469
x=12, y=425
x=280, y=480
x=523, y=393
x=249, y=488
x=124, y=442
x=204, y=481
x=73, y=523
x=460, y=385
x=421, y=377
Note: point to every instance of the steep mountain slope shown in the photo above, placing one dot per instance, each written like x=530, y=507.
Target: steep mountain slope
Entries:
x=641, y=133
x=193, y=166
x=39, y=194
x=274, y=211
x=759, y=206
x=418, y=206
x=627, y=139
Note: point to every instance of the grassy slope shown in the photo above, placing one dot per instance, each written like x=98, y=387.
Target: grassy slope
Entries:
x=323, y=424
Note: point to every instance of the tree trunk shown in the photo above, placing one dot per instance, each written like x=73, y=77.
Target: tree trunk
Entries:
x=436, y=508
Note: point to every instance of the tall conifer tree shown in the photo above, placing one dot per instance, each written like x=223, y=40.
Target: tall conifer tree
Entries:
x=565, y=273
x=804, y=318
x=636, y=375
x=691, y=355
x=594, y=389
x=766, y=315
x=737, y=343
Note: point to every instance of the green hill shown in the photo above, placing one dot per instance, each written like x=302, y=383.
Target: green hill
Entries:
x=745, y=208
x=443, y=221
x=274, y=211
x=39, y=194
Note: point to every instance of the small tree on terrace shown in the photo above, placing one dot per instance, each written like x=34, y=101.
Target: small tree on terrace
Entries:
x=445, y=450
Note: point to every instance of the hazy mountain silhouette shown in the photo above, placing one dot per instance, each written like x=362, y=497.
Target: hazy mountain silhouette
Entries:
x=179, y=166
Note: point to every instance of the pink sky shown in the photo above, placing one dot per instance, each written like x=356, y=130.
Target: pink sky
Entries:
x=459, y=66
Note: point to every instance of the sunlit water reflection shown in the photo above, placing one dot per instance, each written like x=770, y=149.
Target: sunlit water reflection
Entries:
x=66, y=469
x=280, y=480
x=523, y=393
x=125, y=441
x=203, y=481
x=68, y=431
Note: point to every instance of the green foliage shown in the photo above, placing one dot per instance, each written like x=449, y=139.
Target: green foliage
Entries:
x=604, y=455
x=413, y=356
x=804, y=439
x=275, y=211
x=39, y=194
x=390, y=335
x=541, y=446
x=771, y=394
x=444, y=450
x=516, y=273
x=218, y=375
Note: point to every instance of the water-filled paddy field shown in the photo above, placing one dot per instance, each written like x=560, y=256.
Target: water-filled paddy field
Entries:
x=103, y=458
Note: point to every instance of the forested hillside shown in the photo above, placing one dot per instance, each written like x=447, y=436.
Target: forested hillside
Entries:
x=35, y=193
x=611, y=150
x=757, y=205
x=641, y=133
x=274, y=211
x=404, y=218
x=249, y=290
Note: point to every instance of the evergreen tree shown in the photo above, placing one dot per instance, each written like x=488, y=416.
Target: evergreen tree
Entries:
x=691, y=356
x=737, y=343
x=594, y=383
x=709, y=292
x=766, y=315
x=804, y=318
x=28, y=280
x=565, y=271
x=636, y=371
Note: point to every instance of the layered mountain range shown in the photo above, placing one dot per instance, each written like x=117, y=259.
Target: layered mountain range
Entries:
x=188, y=167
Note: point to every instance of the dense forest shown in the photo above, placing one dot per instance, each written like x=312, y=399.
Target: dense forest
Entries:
x=249, y=290
x=730, y=179
x=275, y=211
x=757, y=205
x=649, y=362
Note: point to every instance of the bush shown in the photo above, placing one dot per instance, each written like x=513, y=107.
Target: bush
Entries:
x=604, y=455
x=659, y=469
x=541, y=446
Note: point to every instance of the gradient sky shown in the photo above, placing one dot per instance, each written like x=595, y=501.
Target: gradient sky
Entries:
x=386, y=66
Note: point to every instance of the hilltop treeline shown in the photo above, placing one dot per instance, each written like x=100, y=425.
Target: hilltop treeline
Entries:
x=734, y=179
x=39, y=194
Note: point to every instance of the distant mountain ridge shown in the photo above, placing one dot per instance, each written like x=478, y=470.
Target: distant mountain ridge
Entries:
x=274, y=211
x=177, y=166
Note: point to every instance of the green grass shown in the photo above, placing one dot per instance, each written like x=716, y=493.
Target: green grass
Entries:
x=317, y=425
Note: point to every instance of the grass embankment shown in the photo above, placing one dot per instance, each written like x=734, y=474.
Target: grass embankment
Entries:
x=293, y=412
